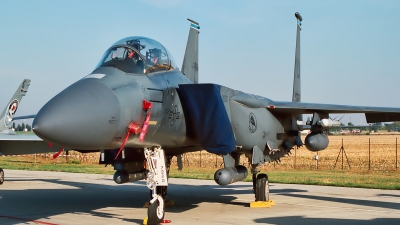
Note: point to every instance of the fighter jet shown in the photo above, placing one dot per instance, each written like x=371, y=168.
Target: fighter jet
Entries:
x=8, y=114
x=138, y=109
x=10, y=142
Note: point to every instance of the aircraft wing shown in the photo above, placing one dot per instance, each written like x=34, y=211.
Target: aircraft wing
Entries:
x=24, y=144
x=372, y=114
x=24, y=117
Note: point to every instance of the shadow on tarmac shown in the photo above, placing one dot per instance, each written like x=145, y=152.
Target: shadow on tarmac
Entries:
x=370, y=203
x=88, y=198
x=300, y=220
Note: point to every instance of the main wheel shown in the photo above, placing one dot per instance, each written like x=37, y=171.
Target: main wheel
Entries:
x=153, y=214
x=1, y=176
x=262, y=187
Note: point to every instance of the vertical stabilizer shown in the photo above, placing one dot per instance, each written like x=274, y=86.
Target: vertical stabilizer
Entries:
x=8, y=113
x=296, y=97
x=296, y=81
x=190, y=66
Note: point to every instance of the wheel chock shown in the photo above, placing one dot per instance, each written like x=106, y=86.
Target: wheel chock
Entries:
x=169, y=203
x=163, y=221
x=166, y=203
x=261, y=204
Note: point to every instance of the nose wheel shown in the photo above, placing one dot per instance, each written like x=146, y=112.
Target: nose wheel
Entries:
x=155, y=212
x=1, y=176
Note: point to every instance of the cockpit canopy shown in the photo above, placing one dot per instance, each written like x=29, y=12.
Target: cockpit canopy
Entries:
x=138, y=55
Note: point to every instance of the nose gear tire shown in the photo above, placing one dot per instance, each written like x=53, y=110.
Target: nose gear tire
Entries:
x=152, y=214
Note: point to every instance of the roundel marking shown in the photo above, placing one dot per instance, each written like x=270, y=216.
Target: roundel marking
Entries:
x=10, y=111
x=252, y=123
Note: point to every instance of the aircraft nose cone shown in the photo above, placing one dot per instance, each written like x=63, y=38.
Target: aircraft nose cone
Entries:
x=83, y=116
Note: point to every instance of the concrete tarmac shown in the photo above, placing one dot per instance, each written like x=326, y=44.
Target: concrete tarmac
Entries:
x=33, y=197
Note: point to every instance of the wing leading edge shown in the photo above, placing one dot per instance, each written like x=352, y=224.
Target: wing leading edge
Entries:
x=372, y=114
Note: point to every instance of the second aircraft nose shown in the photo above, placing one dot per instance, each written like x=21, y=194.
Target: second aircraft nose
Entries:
x=83, y=116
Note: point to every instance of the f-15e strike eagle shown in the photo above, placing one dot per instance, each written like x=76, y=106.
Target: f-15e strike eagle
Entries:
x=137, y=106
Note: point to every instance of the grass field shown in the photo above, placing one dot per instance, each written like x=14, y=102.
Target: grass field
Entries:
x=356, y=147
x=372, y=179
x=298, y=168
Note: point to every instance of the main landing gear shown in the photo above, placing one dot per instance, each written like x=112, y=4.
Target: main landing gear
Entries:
x=261, y=189
x=1, y=176
x=157, y=182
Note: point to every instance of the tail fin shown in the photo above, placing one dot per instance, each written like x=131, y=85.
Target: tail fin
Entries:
x=8, y=113
x=297, y=82
x=190, y=66
x=296, y=97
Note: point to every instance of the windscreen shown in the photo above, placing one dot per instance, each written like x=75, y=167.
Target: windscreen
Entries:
x=138, y=55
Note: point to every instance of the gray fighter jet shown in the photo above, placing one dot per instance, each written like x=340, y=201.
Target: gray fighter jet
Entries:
x=137, y=106
x=7, y=115
x=16, y=144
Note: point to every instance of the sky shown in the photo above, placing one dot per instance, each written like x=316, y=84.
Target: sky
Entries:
x=350, y=50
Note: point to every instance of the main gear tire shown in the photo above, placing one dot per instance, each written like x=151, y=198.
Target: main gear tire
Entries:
x=262, y=188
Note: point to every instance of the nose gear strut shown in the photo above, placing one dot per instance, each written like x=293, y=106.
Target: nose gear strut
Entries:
x=157, y=176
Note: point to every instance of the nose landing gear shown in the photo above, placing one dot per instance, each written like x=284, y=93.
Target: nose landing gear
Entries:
x=157, y=180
